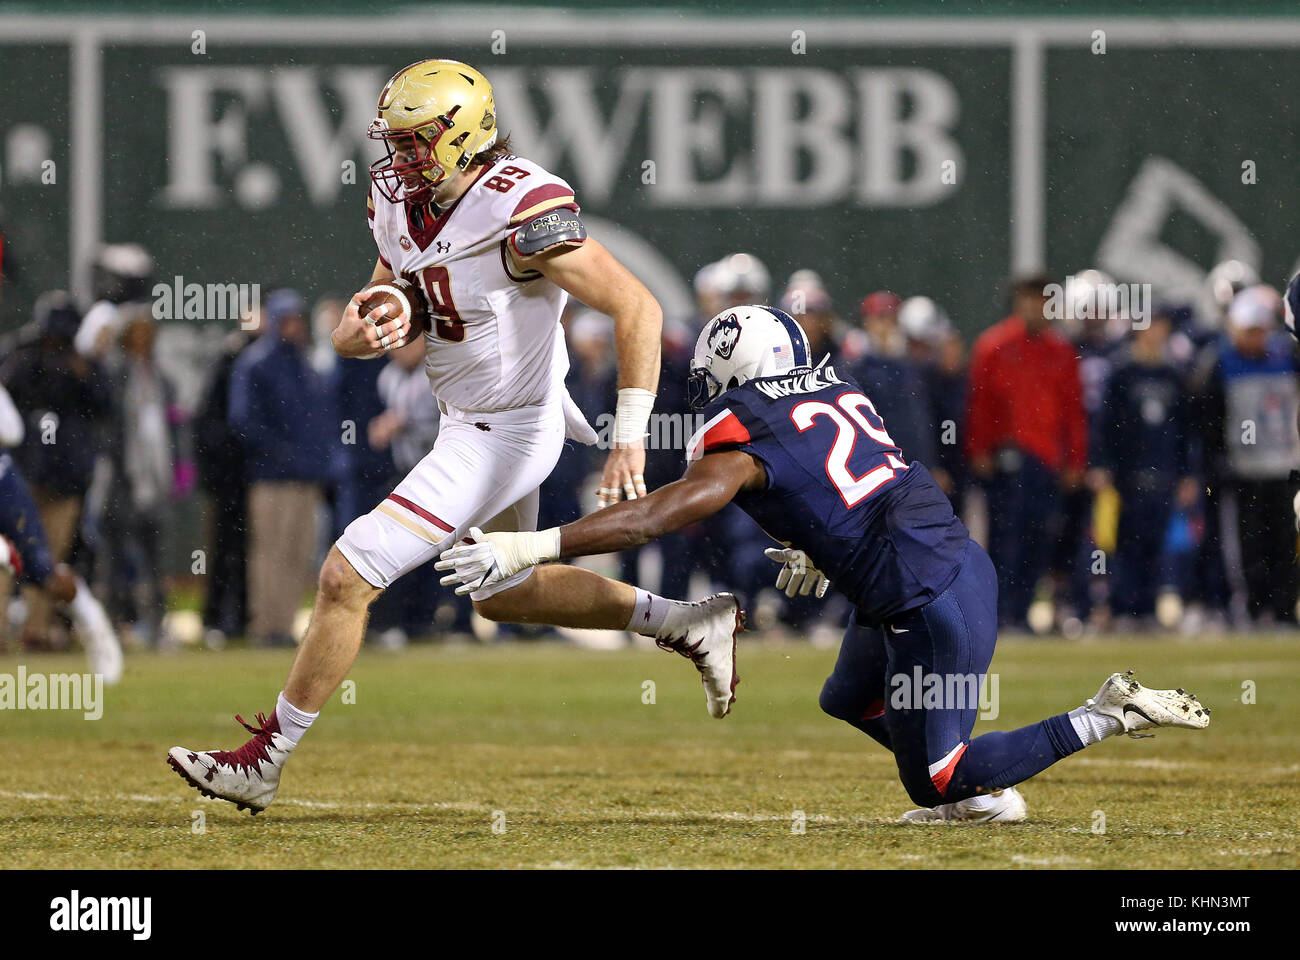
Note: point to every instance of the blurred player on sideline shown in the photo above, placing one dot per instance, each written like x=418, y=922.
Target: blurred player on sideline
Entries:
x=25, y=555
x=806, y=454
x=497, y=244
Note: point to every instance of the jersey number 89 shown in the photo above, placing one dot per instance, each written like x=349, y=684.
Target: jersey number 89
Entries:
x=436, y=283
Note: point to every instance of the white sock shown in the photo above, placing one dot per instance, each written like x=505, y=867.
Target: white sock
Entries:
x=87, y=614
x=651, y=612
x=1091, y=726
x=293, y=722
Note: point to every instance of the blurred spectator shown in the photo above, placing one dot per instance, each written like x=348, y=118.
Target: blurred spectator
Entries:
x=877, y=331
x=592, y=383
x=708, y=292
x=222, y=474
x=1143, y=444
x=1210, y=590
x=64, y=399
x=325, y=317
x=1026, y=437
x=805, y=298
x=936, y=351
x=139, y=502
x=1248, y=412
x=1096, y=331
x=9, y=273
x=283, y=411
x=893, y=382
x=1222, y=284
x=360, y=474
x=121, y=273
x=739, y=278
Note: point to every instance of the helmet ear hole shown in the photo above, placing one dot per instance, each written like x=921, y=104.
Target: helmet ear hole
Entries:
x=733, y=383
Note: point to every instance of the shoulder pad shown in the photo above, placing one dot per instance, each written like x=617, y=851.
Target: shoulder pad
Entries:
x=558, y=227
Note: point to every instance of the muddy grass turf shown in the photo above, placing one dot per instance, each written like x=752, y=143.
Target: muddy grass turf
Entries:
x=557, y=745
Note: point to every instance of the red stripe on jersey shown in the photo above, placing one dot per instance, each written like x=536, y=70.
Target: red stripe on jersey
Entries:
x=419, y=512
x=875, y=710
x=541, y=197
x=941, y=777
x=723, y=430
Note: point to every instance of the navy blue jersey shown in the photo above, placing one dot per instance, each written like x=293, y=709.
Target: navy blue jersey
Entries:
x=839, y=489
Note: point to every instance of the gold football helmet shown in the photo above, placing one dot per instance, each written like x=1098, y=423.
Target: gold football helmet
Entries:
x=433, y=117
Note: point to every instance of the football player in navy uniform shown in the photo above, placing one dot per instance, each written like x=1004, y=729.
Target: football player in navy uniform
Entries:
x=802, y=450
x=1290, y=311
x=25, y=555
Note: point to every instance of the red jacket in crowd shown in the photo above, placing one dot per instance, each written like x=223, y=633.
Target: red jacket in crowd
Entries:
x=1025, y=393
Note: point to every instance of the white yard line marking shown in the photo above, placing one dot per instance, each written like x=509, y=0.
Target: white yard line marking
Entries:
x=310, y=804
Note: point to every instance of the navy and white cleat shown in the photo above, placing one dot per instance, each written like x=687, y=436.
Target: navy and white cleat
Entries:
x=1008, y=806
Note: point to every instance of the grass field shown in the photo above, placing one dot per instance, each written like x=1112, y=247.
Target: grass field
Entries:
x=443, y=742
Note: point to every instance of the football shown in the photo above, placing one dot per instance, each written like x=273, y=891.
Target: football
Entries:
x=403, y=298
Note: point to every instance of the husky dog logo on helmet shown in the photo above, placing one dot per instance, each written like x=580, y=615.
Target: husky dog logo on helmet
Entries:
x=723, y=336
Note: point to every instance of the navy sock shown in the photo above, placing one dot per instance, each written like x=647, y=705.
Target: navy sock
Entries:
x=1005, y=758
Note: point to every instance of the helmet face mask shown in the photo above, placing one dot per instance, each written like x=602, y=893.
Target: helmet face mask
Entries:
x=410, y=167
x=701, y=387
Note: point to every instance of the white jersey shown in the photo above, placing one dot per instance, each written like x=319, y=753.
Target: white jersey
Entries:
x=497, y=343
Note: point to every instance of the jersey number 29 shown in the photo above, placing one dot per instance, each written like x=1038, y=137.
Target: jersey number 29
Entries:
x=850, y=414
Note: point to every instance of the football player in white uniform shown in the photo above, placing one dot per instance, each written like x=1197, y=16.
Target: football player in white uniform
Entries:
x=497, y=245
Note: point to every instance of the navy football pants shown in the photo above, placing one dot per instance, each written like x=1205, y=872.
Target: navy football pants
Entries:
x=21, y=522
x=875, y=688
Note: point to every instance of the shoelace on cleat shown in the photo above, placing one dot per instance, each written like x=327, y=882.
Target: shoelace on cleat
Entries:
x=250, y=755
x=689, y=651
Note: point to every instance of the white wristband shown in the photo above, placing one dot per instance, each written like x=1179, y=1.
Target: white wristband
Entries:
x=546, y=545
x=524, y=549
x=632, y=415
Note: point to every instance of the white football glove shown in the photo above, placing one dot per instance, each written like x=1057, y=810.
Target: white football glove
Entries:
x=797, y=575
x=494, y=557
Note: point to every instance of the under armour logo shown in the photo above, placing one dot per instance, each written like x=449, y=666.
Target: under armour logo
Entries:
x=443, y=246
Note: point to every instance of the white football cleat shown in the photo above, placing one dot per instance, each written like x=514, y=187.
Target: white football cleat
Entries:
x=247, y=777
x=705, y=633
x=1139, y=708
x=1008, y=807
x=103, y=650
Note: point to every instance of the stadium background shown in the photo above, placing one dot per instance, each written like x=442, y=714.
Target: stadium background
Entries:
x=1066, y=159
x=813, y=140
